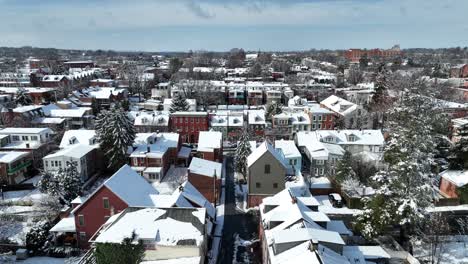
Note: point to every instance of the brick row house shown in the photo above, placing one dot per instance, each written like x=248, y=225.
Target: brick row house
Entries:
x=153, y=158
x=189, y=125
x=210, y=146
x=35, y=141
x=206, y=176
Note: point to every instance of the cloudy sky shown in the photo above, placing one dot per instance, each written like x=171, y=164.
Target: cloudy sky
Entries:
x=181, y=25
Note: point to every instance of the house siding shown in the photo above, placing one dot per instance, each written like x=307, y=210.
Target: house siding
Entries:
x=205, y=185
x=94, y=213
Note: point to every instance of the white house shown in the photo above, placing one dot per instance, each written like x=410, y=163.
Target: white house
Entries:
x=83, y=155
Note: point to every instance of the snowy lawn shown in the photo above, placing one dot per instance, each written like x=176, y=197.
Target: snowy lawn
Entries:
x=39, y=260
x=452, y=252
x=241, y=196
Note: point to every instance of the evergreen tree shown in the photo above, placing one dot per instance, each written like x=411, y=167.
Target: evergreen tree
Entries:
x=406, y=185
x=115, y=133
x=37, y=237
x=242, y=152
x=274, y=108
x=459, y=158
x=22, y=98
x=344, y=168
x=95, y=106
x=47, y=183
x=179, y=104
x=69, y=182
x=127, y=252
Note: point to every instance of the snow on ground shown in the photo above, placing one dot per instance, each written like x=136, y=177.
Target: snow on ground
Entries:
x=240, y=250
x=24, y=195
x=38, y=260
x=193, y=260
x=452, y=252
x=15, y=231
x=241, y=196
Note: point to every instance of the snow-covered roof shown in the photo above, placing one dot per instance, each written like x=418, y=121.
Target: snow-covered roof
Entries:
x=48, y=120
x=65, y=225
x=288, y=148
x=256, y=117
x=184, y=152
x=208, y=141
x=157, y=225
x=185, y=113
x=12, y=156
x=352, y=136
x=155, y=118
x=457, y=177
x=339, y=227
x=26, y=108
x=224, y=120
x=79, y=136
x=205, y=167
x=298, y=254
x=339, y=105
x=140, y=192
x=75, y=151
x=76, y=112
x=25, y=130
x=365, y=252
x=304, y=234
x=164, y=141
x=261, y=150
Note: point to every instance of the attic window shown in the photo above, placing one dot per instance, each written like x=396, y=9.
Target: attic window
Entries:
x=160, y=120
x=72, y=140
x=351, y=138
x=257, y=118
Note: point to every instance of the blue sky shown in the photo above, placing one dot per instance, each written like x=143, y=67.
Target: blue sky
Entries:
x=181, y=25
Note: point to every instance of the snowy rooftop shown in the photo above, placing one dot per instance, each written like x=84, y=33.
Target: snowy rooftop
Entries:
x=210, y=140
x=80, y=136
x=25, y=130
x=76, y=112
x=256, y=117
x=288, y=148
x=364, y=253
x=65, y=225
x=352, y=137
x=339, y=105
x=457, y=177
x=261, y=150
x=75, y=151
x=205, y=167
x=11, y=156
x=166, y=227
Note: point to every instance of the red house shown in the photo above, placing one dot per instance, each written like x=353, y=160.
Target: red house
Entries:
x=124, y=189
x=205, y=176
x=210, y=145
x=459, y=71
x=189, y=125
x=450, y=180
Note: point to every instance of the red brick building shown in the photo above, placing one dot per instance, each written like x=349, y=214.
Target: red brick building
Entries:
x=210, y=145
x=124, y=189
x=459, y=71
x=355, y=55
x=205, y=176
x=189, y=125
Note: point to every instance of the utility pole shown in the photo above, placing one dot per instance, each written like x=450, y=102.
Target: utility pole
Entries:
x=214, y=193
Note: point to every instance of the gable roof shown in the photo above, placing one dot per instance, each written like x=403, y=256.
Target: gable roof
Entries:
x=81, y=136
x=261, y=150
x=129, y=186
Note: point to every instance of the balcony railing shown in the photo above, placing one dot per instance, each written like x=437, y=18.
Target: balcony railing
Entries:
x=19, y=167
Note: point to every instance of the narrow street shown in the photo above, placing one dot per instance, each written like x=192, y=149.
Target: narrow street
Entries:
x=236, y=223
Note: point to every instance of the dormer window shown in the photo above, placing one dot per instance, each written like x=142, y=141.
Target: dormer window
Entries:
x=352, y=138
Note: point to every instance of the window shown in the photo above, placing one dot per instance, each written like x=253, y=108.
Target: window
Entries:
x=191, y=120
x=152, y=176
x=319, y=126
x=56, y=163
x=105, y=202
x=275, y=185
x=313, y=126
x=319, y=162
x=15, y=138
x=25, y=138
x=320, y=118
x=257, y=185
x=352, y=138
x=33, y=138
x=60, y=164
x=81, y=220
x=322, y=171
x=267, y=168
x=46, y=163
x=82, y=236
x=313, y=118
x=316, y=171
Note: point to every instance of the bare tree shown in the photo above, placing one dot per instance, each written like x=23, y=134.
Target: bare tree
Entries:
x=431, y=233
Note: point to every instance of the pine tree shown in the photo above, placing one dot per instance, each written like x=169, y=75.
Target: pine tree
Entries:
x=126, y=252
x=459, y=158
x=69, y=182
x=179, y=104
x=406, y=185
x=242, y=152
x=22, y=98
x=47, y=183
x=344, y=168
x=37, y=237
x=115, y=133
